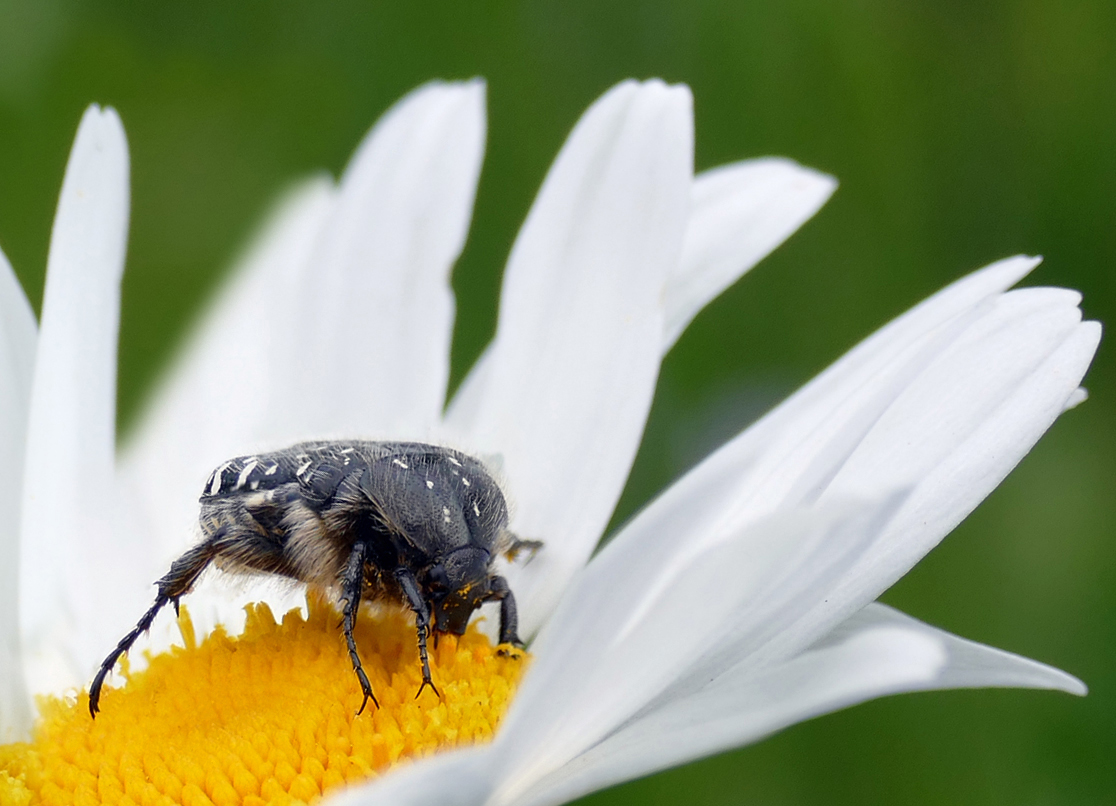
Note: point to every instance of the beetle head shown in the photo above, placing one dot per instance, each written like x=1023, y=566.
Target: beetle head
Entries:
x=457, y=586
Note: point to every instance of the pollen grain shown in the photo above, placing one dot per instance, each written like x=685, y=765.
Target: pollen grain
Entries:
x=268, y=717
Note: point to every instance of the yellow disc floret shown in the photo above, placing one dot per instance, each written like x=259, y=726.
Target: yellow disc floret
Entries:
x=266, y=717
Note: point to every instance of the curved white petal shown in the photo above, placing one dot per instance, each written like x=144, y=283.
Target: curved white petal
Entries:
x=792, y=455
x=1024, y=390
x=876, y=653
x=368, y=345
x=968, y=664
x=459, y=778
x=732, y=712
x=961, y=388
x=18, y=334
x=950, y=431
x=67, y=551
x=635, y=619
x=739, y=214
x=577, y=349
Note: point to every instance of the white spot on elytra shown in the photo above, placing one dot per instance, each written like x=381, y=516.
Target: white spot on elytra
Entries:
x=454, y=461
x=242, y=479
x=303, y=467
x=271, y=470
x=429, y=484
x=466, y=482
x=217, y=478
x=401, y=463
x=445, y=514
x=347, y=450
x=476, y=509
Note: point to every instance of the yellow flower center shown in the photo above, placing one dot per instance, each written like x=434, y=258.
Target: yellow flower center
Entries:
x=268, y=717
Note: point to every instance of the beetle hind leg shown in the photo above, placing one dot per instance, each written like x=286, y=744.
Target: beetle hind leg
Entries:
x=125, y=644
x=182, y=575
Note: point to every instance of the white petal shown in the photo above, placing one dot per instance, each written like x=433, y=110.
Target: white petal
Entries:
x=68, y=553
x=218, y=398
x=18, y=334
x=882, y=359
x=458, y=778
x=368, y=348
x=876, y=653
x=1007, y=415
x=739, y=214
x=644, y=609
x=793, y=454
x=960, y=389
x=470, y=398
x=968, y=664
x=577, y=349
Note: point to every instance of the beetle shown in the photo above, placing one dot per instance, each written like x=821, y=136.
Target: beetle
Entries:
x=406, y=522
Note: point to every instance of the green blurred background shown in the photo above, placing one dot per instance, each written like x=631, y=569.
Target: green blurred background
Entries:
x=961, y=133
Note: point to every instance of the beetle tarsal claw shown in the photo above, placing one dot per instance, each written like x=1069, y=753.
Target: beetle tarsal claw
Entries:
x=433, y=688
x=368, y=695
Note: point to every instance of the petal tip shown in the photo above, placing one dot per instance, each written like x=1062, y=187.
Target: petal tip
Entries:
x=1075, y=686
x=1076, y=398
x=811, y=182
x=102, y=125
x=827, y=182
x=678, y=93
x=476, y=84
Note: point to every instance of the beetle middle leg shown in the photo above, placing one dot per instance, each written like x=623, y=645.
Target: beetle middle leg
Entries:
x=411, y=590
x=183, y=573
x=353, y=586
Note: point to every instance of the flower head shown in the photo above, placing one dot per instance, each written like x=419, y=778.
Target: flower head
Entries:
x=737, y=603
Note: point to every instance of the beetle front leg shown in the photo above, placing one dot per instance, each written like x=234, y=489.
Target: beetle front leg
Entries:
x=518, y=545
x=411, y=590
x=509, y=614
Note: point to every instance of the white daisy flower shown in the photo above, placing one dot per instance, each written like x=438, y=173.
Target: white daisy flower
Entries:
x=737, y=603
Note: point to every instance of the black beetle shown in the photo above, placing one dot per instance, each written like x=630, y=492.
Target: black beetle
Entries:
x=402, y=521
